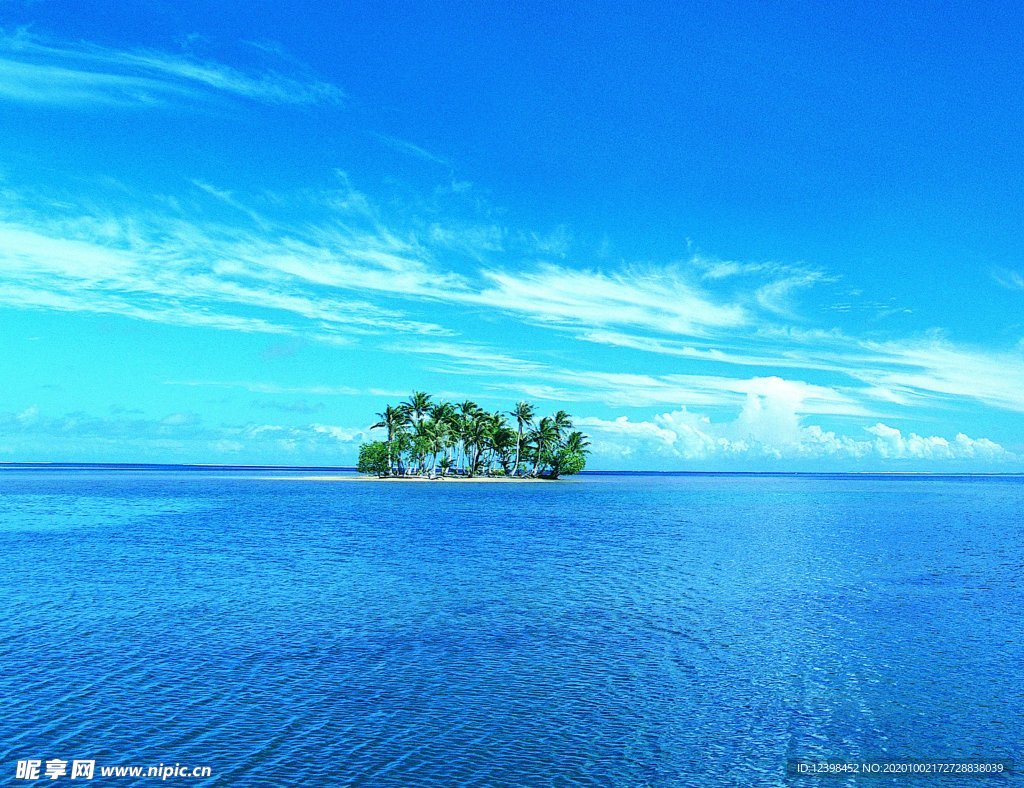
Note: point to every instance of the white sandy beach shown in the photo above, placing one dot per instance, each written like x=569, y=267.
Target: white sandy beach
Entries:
x=455, y=479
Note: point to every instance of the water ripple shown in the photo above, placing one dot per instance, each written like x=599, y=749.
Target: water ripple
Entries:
x=694, y=631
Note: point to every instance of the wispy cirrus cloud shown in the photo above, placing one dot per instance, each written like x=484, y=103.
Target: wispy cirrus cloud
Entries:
x=901, y=372
x=149, y=309
x=661, y=300
x=1008, y=278
x=187, y=274
x=907, y=372
x=937, y=367
x=777, y=296
x=628, y=389
x=36, y=70
x=260, y=387
x=350, y=274
x=411, y=149
x=469, y=357
x=617, y=389
x=335, y=269
x=312, y=271
x=732, y=351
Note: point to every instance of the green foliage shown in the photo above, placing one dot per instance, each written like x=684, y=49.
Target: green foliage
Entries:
x=424, y=435
x=563, y=460
x=570, y=461
x=373, y=458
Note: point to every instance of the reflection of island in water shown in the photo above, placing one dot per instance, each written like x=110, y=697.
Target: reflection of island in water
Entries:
x=428, y=439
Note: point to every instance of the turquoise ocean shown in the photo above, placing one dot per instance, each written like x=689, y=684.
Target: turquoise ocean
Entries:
x=601, y=630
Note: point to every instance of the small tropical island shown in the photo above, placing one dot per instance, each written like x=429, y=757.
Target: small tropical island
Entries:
x=430, y=438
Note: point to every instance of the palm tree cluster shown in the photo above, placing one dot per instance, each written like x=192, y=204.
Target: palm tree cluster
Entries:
x=428, y=437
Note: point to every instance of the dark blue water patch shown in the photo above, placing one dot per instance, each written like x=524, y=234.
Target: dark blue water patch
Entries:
x=605, y=630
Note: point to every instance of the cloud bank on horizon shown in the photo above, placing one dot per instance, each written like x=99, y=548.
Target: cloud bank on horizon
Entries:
x=235, y=252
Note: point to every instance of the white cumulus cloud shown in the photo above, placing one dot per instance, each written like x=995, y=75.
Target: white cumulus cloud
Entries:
x=770, y=427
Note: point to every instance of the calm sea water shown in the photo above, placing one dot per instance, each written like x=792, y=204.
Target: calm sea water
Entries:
x=601, y=630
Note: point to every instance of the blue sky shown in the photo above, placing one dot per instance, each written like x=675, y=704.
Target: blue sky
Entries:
x=729, y=237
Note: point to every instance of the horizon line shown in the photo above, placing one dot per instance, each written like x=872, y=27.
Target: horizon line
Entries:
x=127, y=466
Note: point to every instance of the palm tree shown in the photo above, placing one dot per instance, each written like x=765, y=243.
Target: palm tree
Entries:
x=504, y=441
x=494, y=424
x=543, y=437
x=562, y=421
x=577, y=441
x=446, y=418
x=401, y=445
x=443, y=412
x=477, y=430
x=524, y=417
x=468, y=407
x=467, y=411
x=431, y=435
x=420, y=441
x=418, y=405
x=394, y=420
x=422, y=432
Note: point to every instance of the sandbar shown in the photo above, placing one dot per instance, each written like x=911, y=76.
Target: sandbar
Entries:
x=456, y=479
